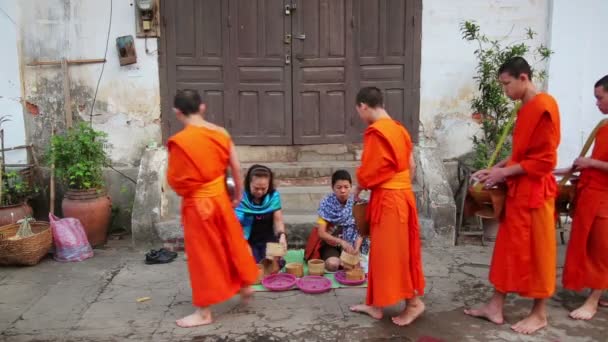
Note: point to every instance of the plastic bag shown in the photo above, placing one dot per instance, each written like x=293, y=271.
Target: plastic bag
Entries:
x=71, y=243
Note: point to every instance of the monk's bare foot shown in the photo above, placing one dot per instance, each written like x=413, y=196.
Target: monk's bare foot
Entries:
x=585, y=312
x=246, y=295
x=412, y=311
x=530, y=324
x=373, y=312
x=488, y=312
x=198, y=318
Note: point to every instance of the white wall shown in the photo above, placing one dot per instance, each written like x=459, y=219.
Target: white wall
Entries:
x=10, y=83
x=128, y=101
x=580, y=43
x=448, y=63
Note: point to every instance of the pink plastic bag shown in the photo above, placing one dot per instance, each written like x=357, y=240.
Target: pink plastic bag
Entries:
x=71, y=243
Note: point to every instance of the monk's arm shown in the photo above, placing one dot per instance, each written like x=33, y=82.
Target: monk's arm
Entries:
x=600, y=165
x=235, y=168
x=503, y=162
x=376, y=164
x=542, y=152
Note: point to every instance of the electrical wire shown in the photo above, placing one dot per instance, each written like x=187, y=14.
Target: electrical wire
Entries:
x=103, y=66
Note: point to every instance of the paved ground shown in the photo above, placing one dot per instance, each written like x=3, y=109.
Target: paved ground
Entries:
x=95, y=300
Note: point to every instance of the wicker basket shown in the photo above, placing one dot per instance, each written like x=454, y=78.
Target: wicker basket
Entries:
x=274, y=249
x=349, y=259
x=355, y=274
x=295, y=268
x=316, y=267
x=359, y=213
x=27, y=251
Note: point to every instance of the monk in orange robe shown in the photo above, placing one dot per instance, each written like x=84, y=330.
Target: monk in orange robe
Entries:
x=219, y=260
x=387, y=167
x=525, y=253
x=587, y=256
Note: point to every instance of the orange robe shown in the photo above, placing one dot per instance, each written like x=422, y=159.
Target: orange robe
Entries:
x=525, y=252
x=587, y=256
x=219, y=261
x=395, y=263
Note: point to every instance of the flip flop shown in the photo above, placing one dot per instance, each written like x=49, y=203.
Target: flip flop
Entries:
x=160, y=257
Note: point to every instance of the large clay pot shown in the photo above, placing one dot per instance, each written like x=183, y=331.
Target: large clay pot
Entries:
x=12, y=213
x=94, y=210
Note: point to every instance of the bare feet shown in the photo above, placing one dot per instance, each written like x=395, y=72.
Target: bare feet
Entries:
x=413, y=310
x=373, y=312
x=530, y=324
x=488, y=312
x=585, y=312
x=246, y=294
x=198, y=318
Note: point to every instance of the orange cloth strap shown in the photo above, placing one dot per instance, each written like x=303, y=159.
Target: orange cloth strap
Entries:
x=210, y=189
x=400, y=181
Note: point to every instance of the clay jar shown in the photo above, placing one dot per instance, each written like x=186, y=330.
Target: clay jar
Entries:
x=94, y=210
x=12, y=213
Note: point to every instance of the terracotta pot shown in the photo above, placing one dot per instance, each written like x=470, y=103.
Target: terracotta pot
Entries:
x=94, y=210
x=12, y=213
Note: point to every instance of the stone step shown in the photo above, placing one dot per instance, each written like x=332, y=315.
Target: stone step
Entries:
x=299, y=153
x=308, y=171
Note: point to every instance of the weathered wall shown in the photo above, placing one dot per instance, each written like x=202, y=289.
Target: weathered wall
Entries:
x=127, y=106
x=448, y=63
x=579, y=40
x=10, y=83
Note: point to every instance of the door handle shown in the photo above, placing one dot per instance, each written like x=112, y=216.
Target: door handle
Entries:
x=287, y=58
x=300, y=36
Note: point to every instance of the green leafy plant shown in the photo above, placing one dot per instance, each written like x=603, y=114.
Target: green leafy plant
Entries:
x=492, y=109
x=15, y=189
x=79, y=157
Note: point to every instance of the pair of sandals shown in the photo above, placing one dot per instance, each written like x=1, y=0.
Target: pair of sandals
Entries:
x=161, y=256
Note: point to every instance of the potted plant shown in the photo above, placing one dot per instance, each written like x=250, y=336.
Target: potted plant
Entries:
x=15, y=192
x=492, y=109
x=78, y=157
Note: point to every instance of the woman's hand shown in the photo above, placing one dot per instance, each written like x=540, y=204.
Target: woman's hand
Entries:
x=283, y=241
x=347, y=247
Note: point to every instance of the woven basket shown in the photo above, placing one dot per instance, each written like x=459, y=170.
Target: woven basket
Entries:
x=355, y=274
x=349, y=259
x=316, y=267
x=359, y=213
x=295, y=268
x=274, y=249
x=27, y=251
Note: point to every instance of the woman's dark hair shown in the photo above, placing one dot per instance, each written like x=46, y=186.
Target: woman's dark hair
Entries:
x=262, y=171
x=340, y=175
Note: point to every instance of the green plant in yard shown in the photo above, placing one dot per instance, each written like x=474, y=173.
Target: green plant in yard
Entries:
x=79, y=157
x=492, y=109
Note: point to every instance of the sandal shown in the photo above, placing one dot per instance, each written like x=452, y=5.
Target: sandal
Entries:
x=161, y=256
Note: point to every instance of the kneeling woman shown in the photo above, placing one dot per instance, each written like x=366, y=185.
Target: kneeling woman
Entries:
x=336, y=224
x=260, y=212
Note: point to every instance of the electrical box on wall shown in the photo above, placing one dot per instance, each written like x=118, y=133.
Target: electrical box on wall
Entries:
x=147, y=14
x=126, y=50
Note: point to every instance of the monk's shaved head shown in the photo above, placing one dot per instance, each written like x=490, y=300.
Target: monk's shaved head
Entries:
x=371, y=96
x=515, y=67
x=602, y=82
x=187, y=101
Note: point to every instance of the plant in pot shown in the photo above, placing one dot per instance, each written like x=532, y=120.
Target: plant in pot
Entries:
x=78, y=157
x=15, y=192
x=493, y=110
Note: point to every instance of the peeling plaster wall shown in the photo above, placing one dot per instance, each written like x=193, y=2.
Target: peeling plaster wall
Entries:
x=128, y=101
x=448, y=63
x=10, y=83
x=581, y=46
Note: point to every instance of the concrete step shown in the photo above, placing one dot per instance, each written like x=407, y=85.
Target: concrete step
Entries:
x=306, y=171
x=299, y=153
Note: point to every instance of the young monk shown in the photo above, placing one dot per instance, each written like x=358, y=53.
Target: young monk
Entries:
x=587, y=256
x=524, y=260
x=219, y=261
x=387, y=167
